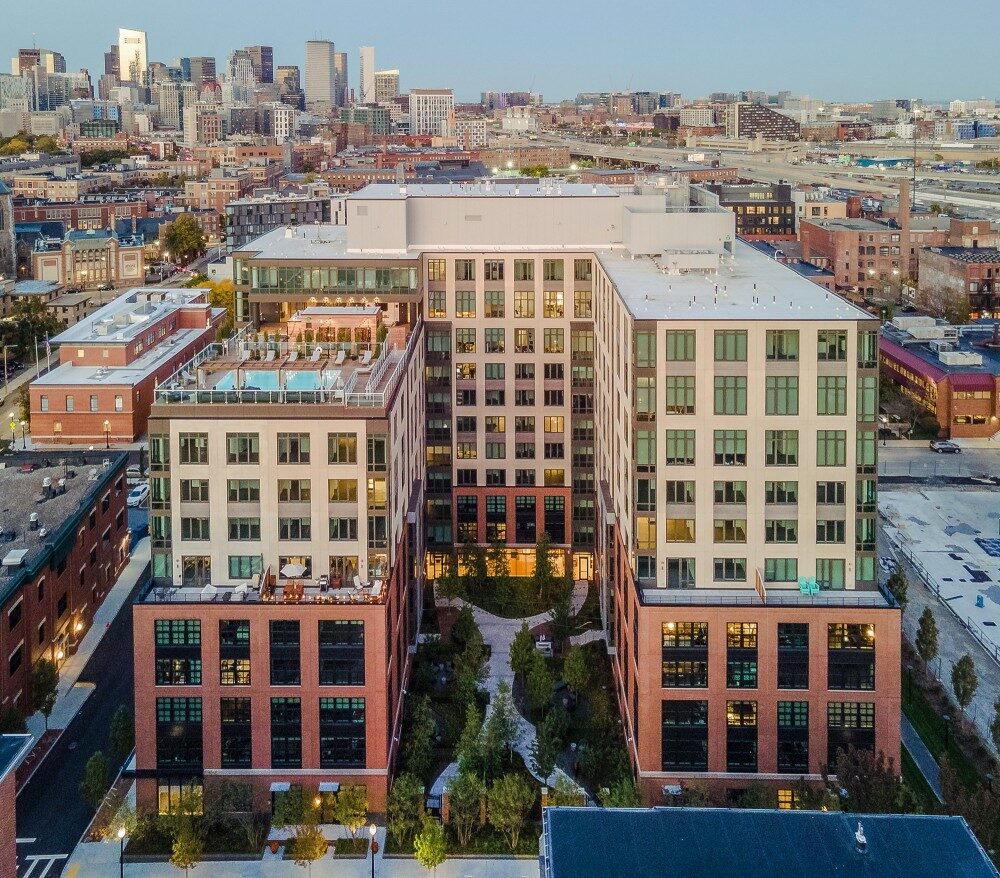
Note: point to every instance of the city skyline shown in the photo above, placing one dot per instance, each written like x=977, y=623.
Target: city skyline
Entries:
x=653, y=61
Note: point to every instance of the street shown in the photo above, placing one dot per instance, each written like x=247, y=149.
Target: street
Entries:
x=917, y=460
x=51, y=812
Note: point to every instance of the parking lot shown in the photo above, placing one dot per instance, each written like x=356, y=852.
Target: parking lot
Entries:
x=949, y=534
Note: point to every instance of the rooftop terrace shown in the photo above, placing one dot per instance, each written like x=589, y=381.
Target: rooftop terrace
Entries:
x=251, y=369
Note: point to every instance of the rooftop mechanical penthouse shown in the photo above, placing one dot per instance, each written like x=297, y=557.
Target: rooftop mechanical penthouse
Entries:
x=691, y=423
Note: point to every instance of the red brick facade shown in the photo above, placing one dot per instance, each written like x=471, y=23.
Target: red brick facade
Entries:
x=62, y=587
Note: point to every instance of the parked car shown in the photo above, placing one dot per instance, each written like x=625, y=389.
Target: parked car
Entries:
x=105, y=288
x=138, y=495
x=134, y=474
x=943, y=446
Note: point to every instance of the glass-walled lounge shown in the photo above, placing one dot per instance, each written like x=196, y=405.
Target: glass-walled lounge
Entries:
x=274, y=279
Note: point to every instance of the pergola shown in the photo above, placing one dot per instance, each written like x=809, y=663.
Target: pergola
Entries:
x=357, y=323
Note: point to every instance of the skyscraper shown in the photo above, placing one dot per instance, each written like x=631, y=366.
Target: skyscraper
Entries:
x=342, y=89
x=49, y=61
x=263, y=62
x=321, y=75
x=386, y=86
x=112, y=65
x=366, y=70
x=289, y=81
x=241, y=68
x=133, y=60
x=202, y=70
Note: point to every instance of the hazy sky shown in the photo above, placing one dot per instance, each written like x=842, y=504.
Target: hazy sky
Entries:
x=846, y=49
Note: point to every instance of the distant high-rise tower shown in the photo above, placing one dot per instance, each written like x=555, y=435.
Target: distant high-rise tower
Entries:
x=202, y=70
x=133, y=60
x=241, y=68
x=366, y=70
x=46, y=59
x=289, y=82
x=112, y=66
x=263, y=63
x=343, y=88
x=321, y=75
x=386, y=86
x=429, y=108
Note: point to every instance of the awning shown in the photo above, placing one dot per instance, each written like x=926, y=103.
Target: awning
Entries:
x=280, y=786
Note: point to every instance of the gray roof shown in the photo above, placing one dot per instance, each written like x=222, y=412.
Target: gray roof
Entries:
x=753, y=287
x=13, y=748
x=711, y=842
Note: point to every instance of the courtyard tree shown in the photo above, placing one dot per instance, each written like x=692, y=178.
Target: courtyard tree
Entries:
x=184, y=239
x=351, y=807
x=418, y=751
x=44, y=684
x=466, y=793
x=509, y=801
x=927, y=636
x=522, y=650
x=430, y=847
x=121, y=735
x=544, y=570
x=94, y=785
x=499, y=565
x=504, y=724
x=964, y=681
x=187, y=848
x=539, y=683
x=405, y=807
x=576, y=670
x=898, y=586
x=561, y=615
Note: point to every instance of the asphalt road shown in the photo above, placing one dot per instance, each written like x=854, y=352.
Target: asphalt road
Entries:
x=919, y=461
x=50, y=808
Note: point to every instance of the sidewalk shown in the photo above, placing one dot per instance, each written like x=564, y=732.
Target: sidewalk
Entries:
x=71, y=696
x=101, y=858
x=923, y=757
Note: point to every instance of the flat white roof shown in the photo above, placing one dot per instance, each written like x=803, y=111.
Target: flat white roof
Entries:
x=751, y=286
x=127, y=315
x=68, y=374
x=486, y=189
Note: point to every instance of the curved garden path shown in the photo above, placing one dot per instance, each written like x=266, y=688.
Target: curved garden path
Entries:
x=498, y=633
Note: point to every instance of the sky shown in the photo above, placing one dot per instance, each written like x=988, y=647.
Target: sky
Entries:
x=843, y=50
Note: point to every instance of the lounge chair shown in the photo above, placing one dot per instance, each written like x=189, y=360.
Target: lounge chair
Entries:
x=270, y=356
x=341, y=356
x=366, y=358
x=293, y=356
x=317, y=353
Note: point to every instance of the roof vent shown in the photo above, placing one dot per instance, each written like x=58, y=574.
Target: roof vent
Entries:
x=14, y=558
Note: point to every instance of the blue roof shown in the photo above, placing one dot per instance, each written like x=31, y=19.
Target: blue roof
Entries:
x=4, y=189
x=13, y=748
x=712, y=842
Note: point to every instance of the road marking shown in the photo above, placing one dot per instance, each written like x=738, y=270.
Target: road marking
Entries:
x=48, y=860
x=25, y=840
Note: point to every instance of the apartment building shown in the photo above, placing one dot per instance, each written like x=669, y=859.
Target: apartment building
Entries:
x=430, y=108
x=60, y=560
x=287, y=541
x=691, y=423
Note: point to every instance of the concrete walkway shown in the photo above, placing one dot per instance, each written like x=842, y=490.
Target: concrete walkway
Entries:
x=922, y=757
x=101, y=858
x=499, y=634
x=70, y=696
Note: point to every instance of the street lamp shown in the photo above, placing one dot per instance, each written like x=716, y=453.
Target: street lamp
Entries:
x=909, y=683
x=24, y=441
x=121, y=852
x=107, y=434
x=947, y=726
x=13, y=427
x=374, y=846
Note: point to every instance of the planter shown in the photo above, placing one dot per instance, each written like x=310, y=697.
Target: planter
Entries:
x=274, y=845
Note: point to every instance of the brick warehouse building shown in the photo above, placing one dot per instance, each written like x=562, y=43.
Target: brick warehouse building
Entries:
x=111, y=361
x=698, y=419
x=58, y=567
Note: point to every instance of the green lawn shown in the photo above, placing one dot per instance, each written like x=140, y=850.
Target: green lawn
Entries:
x=522, y=600
x=930, y=727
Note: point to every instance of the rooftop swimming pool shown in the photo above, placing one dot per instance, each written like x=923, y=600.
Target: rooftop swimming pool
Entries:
x=294, y=379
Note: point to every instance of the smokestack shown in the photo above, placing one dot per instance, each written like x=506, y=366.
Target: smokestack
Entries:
x=903, y=217
x=804, y=236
